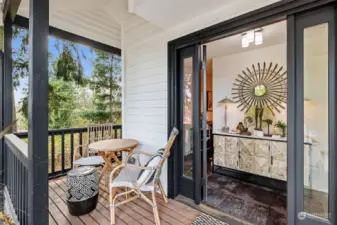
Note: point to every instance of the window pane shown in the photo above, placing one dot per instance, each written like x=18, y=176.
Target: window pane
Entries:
x=188, y=113
x=316, y=143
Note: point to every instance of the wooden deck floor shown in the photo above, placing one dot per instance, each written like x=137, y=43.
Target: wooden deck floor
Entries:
x=137, y=212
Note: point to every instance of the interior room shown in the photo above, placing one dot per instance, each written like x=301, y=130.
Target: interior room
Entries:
x=247, y=120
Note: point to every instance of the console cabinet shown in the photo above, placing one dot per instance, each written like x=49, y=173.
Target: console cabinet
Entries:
x=261, y=156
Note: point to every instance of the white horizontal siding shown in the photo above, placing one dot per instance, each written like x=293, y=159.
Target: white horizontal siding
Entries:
x=144, y=47
x=91, y=21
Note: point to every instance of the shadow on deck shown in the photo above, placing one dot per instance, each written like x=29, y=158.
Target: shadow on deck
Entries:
x=137, y=212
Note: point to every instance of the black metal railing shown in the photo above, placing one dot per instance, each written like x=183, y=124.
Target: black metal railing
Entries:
x=62, y=143
x=15, y=177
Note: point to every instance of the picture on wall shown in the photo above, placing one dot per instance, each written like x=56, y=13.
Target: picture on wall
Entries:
x=209, y=101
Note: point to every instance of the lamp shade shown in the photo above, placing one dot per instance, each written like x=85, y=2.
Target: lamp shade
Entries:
x=225, y=101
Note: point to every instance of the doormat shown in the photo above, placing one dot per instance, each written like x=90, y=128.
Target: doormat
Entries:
x=204, y=219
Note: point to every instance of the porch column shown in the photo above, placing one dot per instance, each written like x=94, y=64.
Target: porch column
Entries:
x=7, y=85
x=38, y=113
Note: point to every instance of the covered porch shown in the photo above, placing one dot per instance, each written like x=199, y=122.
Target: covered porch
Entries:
x=33, y=169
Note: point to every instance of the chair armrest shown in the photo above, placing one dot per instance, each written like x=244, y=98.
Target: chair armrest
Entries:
x=144, y=153
x=136, y=152
x=117, y=168
x=140, y=167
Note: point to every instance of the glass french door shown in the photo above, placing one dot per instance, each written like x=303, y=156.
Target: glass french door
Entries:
x=312, y=111
x=190, y=123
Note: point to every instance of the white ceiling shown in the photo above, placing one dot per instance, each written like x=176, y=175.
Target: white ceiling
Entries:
x=272, y=34
x=168, y=13
x=98, y=20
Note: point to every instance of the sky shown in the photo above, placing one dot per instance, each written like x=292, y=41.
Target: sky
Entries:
x=86, y=62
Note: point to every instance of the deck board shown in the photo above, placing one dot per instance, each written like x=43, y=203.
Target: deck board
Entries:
x=137, y=212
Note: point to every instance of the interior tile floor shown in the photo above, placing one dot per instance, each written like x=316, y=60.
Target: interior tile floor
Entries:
x=256, y=204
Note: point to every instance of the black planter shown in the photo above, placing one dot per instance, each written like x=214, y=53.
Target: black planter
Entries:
x=78, y=208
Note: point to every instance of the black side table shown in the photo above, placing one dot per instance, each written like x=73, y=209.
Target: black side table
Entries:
x=82, y=190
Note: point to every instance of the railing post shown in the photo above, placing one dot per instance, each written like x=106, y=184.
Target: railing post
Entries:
x=38, y=113
x=2, y=147
x=7, y=76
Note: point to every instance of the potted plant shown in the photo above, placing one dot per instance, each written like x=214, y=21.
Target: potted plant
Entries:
x=282, y=126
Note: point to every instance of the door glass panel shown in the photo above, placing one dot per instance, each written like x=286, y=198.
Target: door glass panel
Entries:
x=316, y=142
x=188, y=114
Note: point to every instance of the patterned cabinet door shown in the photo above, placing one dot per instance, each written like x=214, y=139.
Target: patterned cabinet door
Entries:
x=247, y=150
x=261, y=158
x=231, y=160
x=261, y=166
x=232, y=144
x=219, y=150
x=278, y=169
x=247, y=146
x=246, y=163
x=262, y=149
x=279, y=150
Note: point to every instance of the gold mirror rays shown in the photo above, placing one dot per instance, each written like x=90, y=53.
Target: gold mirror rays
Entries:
x=261, y=86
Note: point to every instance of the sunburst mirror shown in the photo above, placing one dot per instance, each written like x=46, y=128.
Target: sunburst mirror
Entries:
x=261, y=86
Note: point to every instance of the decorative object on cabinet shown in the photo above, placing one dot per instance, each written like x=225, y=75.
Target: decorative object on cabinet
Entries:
x=268, y=122
x=262, y=87
x=240, y=127
x=226, y=101
x=249, y=121
x=209, y=101
x=282, y=126
x=258, y=118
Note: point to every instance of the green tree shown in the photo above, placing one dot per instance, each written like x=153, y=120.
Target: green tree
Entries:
x=106, y=87
x=65, y=74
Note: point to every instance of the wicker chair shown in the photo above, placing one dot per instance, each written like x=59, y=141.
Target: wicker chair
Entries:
x=95, y=133
x=138, y=179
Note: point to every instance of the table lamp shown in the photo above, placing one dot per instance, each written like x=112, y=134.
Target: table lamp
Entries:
x=226, y=101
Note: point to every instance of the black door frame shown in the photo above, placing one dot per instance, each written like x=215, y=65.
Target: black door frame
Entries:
x=187, y=185
x=276, y=12
x=298, y=23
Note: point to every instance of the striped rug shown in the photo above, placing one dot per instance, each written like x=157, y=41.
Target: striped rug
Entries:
x=205, y=219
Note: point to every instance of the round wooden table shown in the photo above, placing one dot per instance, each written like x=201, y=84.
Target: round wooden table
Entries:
x=108, y=149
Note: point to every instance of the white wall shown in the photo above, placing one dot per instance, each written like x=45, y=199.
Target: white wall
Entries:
x=145, y=72
x=226, y=70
